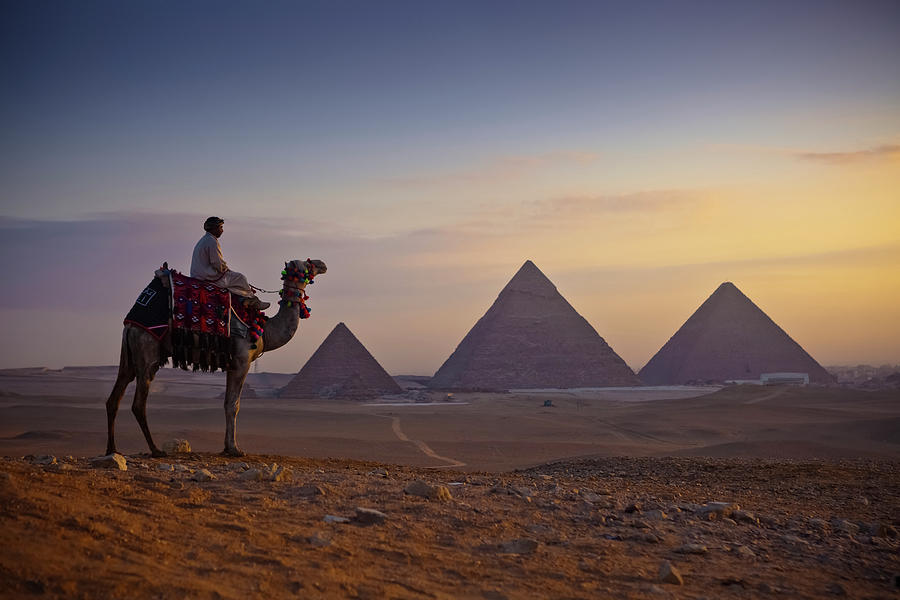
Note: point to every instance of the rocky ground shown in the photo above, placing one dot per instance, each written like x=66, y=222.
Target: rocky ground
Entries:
x=205, y=526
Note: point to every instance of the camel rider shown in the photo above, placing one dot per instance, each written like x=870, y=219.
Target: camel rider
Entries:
x=208, y=264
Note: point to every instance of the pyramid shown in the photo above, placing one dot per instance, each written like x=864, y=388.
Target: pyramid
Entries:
x=341, y=368
x=532, y=338
x=729, y=338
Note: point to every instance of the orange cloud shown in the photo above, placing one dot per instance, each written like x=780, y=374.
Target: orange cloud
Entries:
x=842, y=158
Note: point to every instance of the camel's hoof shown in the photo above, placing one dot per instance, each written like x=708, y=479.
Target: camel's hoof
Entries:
x=158, y=454
x=233, y=452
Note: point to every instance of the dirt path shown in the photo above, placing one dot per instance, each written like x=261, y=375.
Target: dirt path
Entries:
x=422, y=446
x=774, y=394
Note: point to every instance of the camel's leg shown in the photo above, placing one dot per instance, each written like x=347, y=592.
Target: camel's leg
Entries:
x=125, y=376
x=234, y=383
x=139, y=408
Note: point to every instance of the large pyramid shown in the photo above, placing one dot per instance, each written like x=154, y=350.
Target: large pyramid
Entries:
x=341, y=368
x=532, y=338
x=729, y=338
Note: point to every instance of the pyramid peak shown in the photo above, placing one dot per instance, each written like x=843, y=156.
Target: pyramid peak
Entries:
x=529, y=278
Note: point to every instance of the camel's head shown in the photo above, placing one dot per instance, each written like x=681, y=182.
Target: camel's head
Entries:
x=315, y=267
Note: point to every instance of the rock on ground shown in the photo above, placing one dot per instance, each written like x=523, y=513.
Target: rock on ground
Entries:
x=110, y=461
x=176, y=446
x=669, y=574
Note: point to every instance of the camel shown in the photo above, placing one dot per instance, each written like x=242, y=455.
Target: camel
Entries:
x=142, y=355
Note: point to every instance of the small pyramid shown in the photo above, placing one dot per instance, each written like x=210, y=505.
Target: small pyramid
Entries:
x=729, y=338
x=341, y=368
x=531, y=337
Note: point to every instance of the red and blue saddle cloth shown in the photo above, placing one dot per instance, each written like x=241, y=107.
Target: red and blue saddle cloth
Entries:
x=201, y=317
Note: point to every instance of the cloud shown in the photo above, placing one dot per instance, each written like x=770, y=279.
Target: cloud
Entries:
x=500, y=168
x=638, y=202
x=886, y=151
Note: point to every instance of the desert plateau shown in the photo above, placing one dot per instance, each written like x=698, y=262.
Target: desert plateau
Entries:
x=657, y=492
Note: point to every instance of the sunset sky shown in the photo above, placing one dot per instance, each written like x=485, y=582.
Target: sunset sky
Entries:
x=640, y=153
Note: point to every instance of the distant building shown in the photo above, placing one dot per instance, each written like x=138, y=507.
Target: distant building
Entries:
x=784, y=378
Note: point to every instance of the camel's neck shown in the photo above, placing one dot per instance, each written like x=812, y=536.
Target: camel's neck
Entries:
x=281, y=328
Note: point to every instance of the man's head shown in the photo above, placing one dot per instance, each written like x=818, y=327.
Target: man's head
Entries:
x=214, y=225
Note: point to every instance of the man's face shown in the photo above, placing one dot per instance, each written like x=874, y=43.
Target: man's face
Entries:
x=218, y=230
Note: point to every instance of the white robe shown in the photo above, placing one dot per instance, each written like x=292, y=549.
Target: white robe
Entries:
x=208, y=264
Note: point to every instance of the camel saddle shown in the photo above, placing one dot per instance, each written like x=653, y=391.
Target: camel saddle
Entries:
x=200, y=316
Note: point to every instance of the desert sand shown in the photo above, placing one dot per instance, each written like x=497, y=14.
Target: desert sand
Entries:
x=586, y=498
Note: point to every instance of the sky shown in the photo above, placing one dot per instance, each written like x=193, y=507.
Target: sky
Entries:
x=640, y=153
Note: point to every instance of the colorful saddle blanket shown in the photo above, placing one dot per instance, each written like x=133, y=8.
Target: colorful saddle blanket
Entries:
x=200, y=306
x=202, y=319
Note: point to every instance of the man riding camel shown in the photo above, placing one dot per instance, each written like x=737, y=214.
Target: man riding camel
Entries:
x=209, y=265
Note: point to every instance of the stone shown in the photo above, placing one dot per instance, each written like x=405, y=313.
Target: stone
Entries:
x=426, y=490
x=640, y=524
x=818, y=525
x=836, y=589
x=634, y=507
x=203, y=475
x=443, y=494
x=110, y=461
x=519, y=546
x=7, y=483
x=692, y=549
x=319, y=539
x=793, y=539
x=176, y=446
x=594, y=498
x=335, y=519
x=717, y=510
x=744, y=516
x=252, y=475
x=239, y=466
x=370, y=516
x=845, y=527
x=744, y=552
x=656, y=514
x=281, y=474
x=379, y=473
x=883, y=530
x=311, y=490
x=182, y=469
x=165, y=467
x=44, y=460
x=669, y=574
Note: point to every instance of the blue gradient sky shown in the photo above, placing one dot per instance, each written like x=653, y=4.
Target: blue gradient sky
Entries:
x=447, y=142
